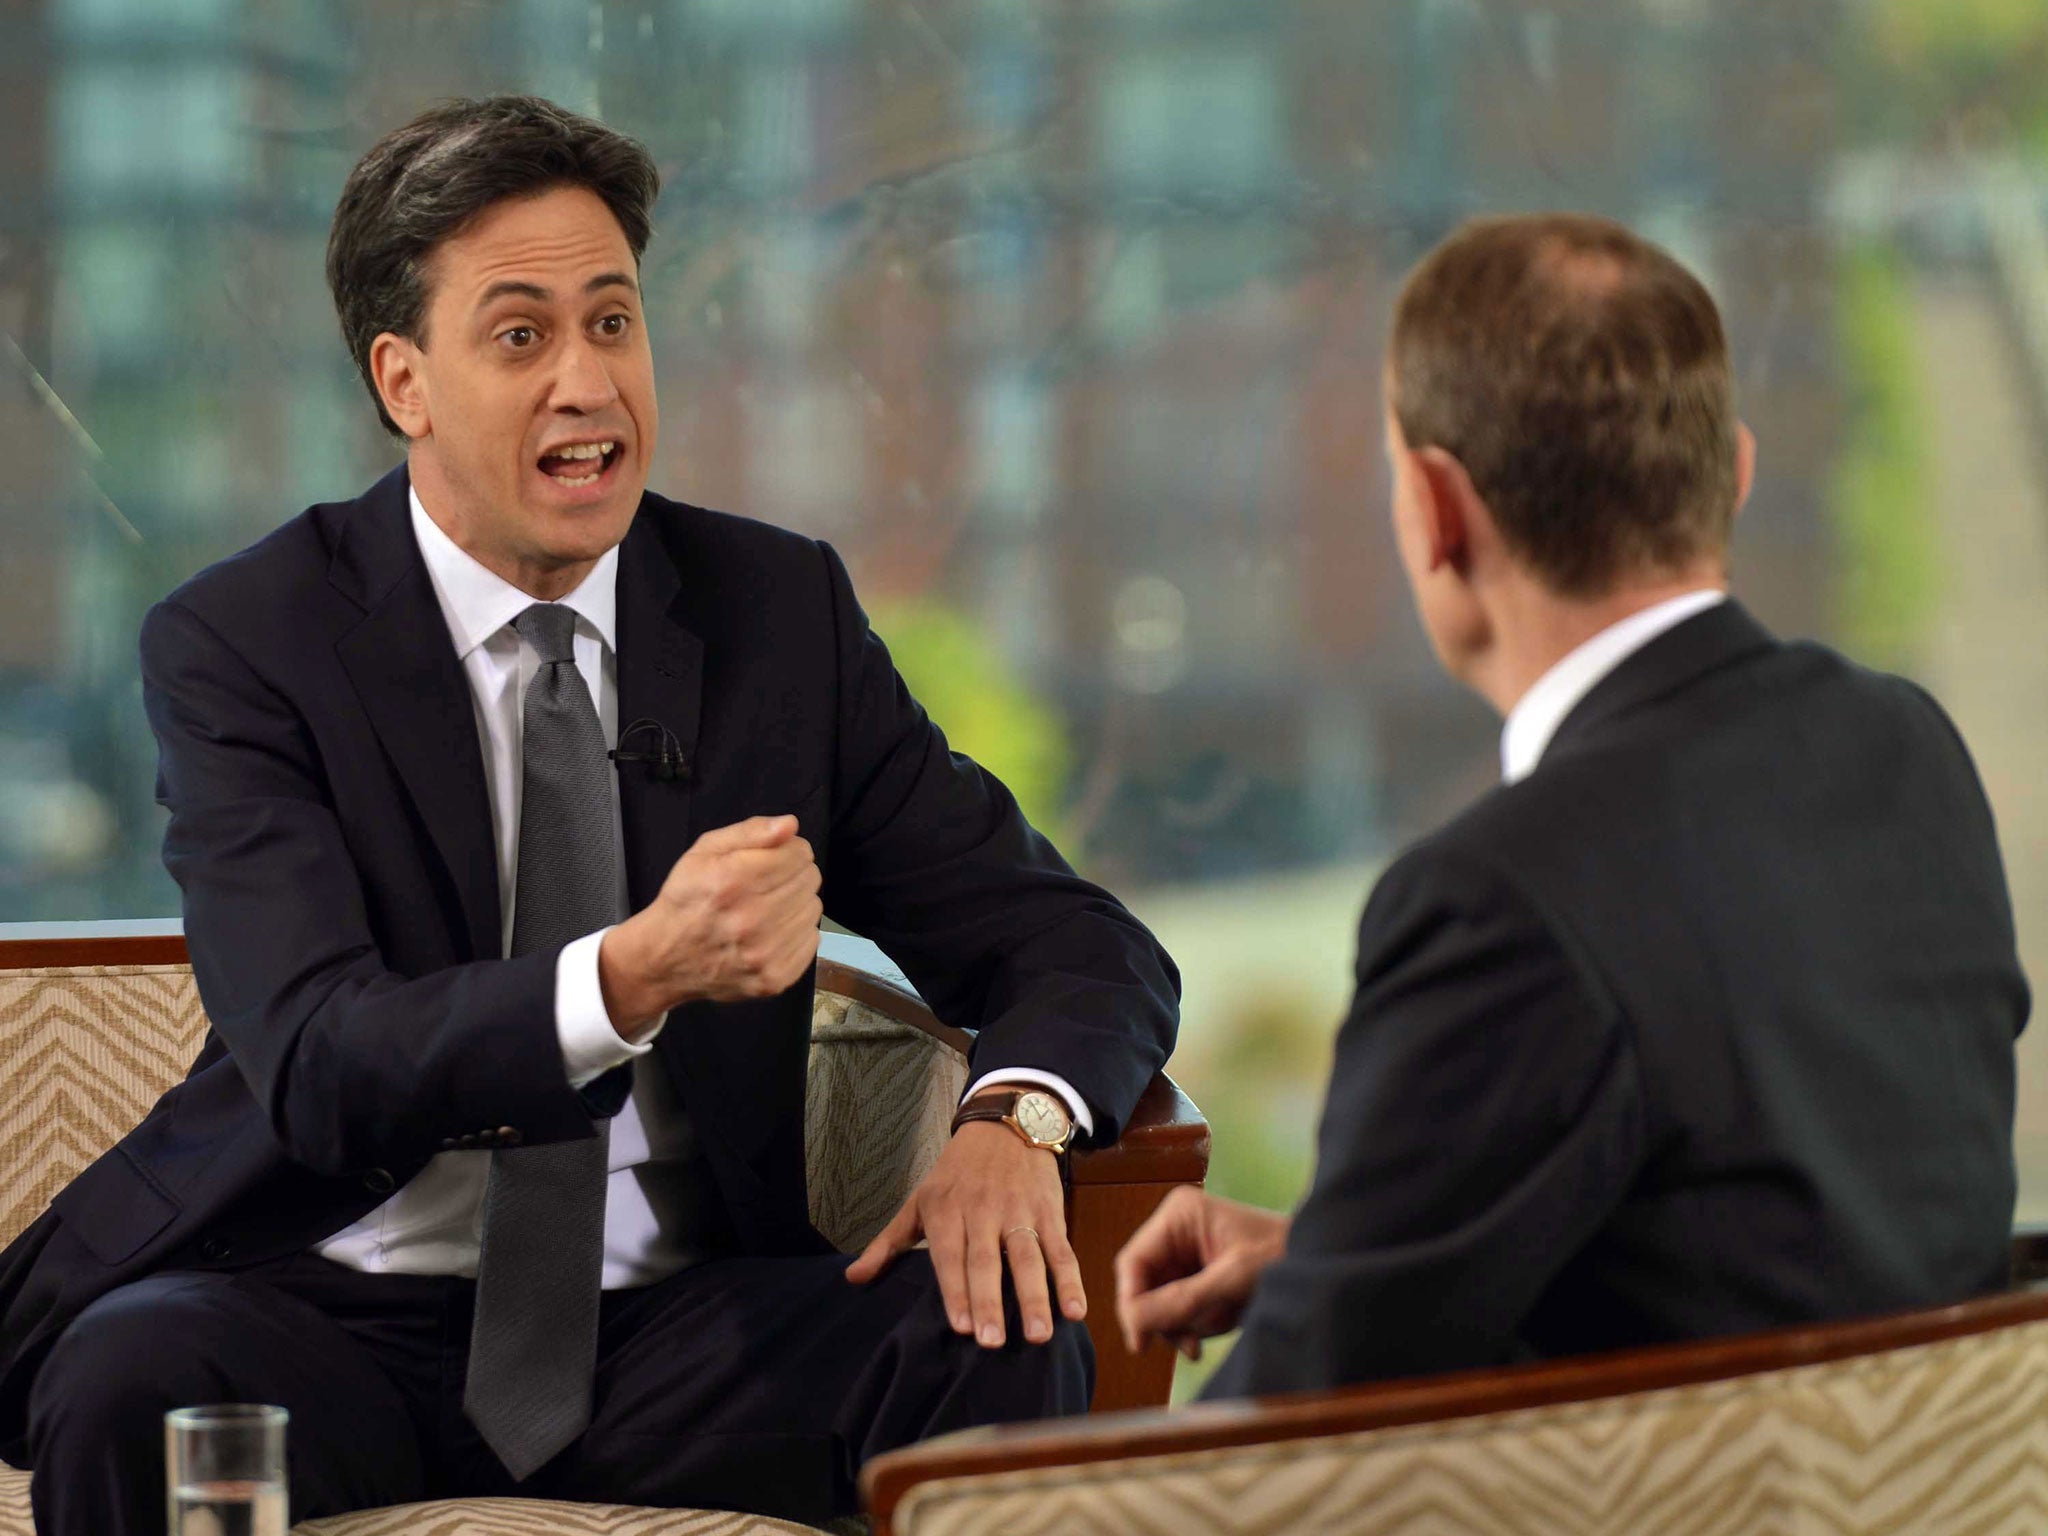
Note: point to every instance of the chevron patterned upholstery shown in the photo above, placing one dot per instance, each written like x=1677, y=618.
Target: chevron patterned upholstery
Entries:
x=1941, y=1439
x=877, y=1115
x=538, y=1517
x=85, y=1050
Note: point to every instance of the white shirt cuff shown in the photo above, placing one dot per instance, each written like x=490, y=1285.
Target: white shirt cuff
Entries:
x=591, y=1047
x=1076, y=1105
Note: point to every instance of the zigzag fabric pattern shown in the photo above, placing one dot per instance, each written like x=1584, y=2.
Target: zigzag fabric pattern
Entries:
x=1945, y=1439
x=538, y=1517
x=85, y=1050
x=876, y=1116
x=480, y=1517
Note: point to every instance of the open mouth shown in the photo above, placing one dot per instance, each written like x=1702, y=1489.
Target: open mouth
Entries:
x=577, y=466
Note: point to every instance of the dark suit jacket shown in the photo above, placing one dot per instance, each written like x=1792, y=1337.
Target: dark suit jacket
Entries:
x=1705, y=1026
x=331, y=834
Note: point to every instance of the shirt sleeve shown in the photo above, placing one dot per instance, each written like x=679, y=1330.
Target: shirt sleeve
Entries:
x=1077, y=1107
x=590, y=1045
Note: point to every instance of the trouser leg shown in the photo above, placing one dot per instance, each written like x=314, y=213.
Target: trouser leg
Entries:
x=183, y=1339
x=764, y=1383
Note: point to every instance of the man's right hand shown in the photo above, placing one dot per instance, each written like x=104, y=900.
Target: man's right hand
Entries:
x=1189, y=1272
x=737, y=918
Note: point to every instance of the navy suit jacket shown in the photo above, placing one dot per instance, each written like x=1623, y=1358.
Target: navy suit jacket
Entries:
x=330, y=832
x=1705, y=1026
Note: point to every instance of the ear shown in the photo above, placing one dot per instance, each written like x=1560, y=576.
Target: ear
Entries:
x=1446, y=502
x=1745, y=464
x=401, y=385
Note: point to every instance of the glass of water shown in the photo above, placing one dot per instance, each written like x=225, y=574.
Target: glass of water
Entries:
x=224, y=1467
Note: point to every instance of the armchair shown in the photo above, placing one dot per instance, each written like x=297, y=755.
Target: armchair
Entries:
x=94, y=1025
x=1926, y=1422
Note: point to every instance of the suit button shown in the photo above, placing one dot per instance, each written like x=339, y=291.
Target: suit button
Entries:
x=449, y=1144
x=466, y=1143
x=214, y=1249
x=378, y=1181
x=508, y=1136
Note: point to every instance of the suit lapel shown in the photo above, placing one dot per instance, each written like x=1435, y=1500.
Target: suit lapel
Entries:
x=1701, y=644
x=411, y=686
x=661, y=677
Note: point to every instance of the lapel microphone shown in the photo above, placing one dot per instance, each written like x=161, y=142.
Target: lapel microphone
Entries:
x=664, y=757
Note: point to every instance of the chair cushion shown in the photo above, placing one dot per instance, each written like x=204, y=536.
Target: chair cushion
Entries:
x=539, y=1517
x=478, y=1517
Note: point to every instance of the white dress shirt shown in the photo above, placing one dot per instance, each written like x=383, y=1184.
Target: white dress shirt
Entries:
x=433, y=1225
x=1539, y=712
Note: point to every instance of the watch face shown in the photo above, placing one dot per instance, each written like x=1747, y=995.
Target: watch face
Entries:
x=1040, y=1117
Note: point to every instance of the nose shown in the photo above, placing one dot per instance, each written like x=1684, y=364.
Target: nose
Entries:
x=583, y=383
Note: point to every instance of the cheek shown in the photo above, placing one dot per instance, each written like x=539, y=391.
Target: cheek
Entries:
x=640, y=401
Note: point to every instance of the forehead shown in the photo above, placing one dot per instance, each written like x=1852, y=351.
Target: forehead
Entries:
x=555, y=240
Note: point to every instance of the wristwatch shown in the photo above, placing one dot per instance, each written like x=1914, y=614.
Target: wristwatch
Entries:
x=1037, y=1116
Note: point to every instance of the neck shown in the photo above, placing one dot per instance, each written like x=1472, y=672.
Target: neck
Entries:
x=453, y=513
x=1533, y=629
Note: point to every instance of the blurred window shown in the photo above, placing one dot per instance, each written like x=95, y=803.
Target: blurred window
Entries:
x=1063, y=322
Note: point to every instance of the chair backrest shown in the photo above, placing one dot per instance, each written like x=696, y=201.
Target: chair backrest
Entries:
x=84, y=1051
x=1927, y=1422
x=88, y=1045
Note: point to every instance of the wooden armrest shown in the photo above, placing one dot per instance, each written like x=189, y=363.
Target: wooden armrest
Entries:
x=1166, y=1142
x=60, y=946
x=1383, y=1405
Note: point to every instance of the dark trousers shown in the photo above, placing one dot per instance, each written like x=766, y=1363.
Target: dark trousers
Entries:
x=756, y=1384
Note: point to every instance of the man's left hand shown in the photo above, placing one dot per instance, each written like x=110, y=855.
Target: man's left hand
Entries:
x=990, y=1199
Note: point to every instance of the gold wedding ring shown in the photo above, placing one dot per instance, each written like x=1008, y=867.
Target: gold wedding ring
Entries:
x=1032, y=1230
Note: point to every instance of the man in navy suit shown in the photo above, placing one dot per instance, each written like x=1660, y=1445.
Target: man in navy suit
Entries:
x=492, y=1167
x=1703, y=1021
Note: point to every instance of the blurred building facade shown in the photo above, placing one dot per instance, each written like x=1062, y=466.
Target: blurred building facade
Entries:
x=1064, y=313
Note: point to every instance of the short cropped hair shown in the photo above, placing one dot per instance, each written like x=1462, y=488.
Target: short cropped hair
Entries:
x=423, y=183
x=1581, y=376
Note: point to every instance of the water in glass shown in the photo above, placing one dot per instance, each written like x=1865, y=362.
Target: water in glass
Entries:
x=233, y=1507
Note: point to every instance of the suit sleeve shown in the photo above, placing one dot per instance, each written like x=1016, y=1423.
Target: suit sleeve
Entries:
x=932, y=859
x=1484, y=1118
x=354, y=1065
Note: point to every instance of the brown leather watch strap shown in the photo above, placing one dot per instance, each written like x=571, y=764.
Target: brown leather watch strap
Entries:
x=1000, y=1104
x=993, y=1105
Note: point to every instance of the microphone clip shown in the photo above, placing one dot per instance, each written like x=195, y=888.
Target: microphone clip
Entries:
x=663, y=754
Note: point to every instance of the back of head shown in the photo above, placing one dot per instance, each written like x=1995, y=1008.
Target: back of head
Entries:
x=422, y=183
x=1581, y=376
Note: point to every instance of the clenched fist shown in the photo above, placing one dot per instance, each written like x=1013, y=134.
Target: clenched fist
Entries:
x=736, y=918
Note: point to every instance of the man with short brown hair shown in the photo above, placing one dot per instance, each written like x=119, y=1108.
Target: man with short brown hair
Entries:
x=1703, y=1021
x=505, y=800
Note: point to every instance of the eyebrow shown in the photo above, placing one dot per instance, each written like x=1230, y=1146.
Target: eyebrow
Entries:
x=511, y=288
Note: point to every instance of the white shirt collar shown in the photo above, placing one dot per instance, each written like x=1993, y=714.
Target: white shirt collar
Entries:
x=1539, y=712
x=477, y=602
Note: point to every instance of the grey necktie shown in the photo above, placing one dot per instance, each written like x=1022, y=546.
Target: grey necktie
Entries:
x=534, y=1341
